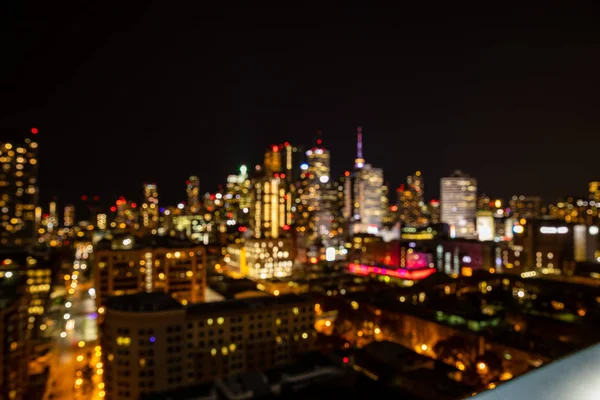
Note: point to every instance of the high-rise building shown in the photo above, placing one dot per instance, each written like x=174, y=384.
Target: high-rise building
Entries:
x=459, y=204
x=364, y=195
x=69, y=216
x=149, y=211
x=193, y=194
x=528, y=207
x=412, y=209
x=238, y=197
x=271, y=212
x=594, y=191
x=150, y=343
x=18, y=190
x=127, y=265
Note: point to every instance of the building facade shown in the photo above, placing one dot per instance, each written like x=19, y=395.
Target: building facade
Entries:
x=18, y=190
x=151, y=343
x=459, y=204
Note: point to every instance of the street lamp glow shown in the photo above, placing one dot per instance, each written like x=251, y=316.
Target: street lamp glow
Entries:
x=68, y=304
x=67, y=316
x=63, y=335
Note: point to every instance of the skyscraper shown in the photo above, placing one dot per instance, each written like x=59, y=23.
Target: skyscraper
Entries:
x=18, y=190
x=364, y=194
x=193, y=193
x=149, y=211
x=411, y=202
x=271, y=199
x=459, y=204
x=69, y=215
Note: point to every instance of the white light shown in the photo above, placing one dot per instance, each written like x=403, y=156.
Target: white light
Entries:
x=245, y=210
x=466, y=259
x=68, y=304
x=324, y=179
x=518, y=229
x=304, y=166
x=180, y=206
x=67, y=316
x=330, y=254
x=593, y=230
x=551, y=230
x=167, y=212
x=360, y=165
x=8, y=274
x=63, y=335
x=126, y=242
x=92, y=292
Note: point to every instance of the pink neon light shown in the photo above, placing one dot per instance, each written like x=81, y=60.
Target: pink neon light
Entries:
x=415, y=275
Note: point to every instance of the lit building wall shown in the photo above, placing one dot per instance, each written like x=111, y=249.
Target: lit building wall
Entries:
x=486, y=229
x=262, y=259
x=272, y=209
x=193, y=194
x=528, y=207
x=18, y=191
x=14, y=338
x=150, y=344
x=149, y=210
x=367, y=205
x=459, y=204
x=123, y=269
x=69, y=215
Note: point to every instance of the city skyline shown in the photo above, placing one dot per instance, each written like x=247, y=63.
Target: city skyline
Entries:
x=477, y=93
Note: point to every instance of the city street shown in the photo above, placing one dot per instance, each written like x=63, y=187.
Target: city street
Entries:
x=76, y=369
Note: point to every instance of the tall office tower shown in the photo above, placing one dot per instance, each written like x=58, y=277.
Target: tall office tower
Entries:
x=435, y=213
x=594, y=191
x=18, y=190
x=364, y=195
x=314, y=216
x=273, y=160
x=238, y=196
x=412, y=209
x=149, y=211
x=292, y=157
x=69, y=216
x=193, y=193
x=126, y=214
x=459, y=204
x=528, y=207
x=271, y=201
x=53, y=217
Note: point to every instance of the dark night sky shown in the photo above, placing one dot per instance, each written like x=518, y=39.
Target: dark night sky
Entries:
x=158, y=92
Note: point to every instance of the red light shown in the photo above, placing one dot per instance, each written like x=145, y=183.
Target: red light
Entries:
x=34, y=131
x=212, y=197
x=282, y=176
x=275, y=148
x=45, y=215
x=113, y=209
x=229, y=215
x=133, y=205
x=84, y=197
x=287, y=144
x=347, y=173
x=96, y=198
x=319, y=141
x=286, y=227
x=345, y=360
x=187, y=182
x=276, y=175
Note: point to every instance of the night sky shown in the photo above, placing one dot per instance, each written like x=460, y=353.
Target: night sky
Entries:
x=154, y=93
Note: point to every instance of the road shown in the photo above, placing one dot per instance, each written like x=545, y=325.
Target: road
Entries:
x=76, y=371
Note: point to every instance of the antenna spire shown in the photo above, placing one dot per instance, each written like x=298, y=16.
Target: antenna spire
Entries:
x=360, y=161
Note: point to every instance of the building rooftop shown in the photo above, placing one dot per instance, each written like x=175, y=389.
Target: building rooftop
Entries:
x=252, y=303
x=143, y=302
